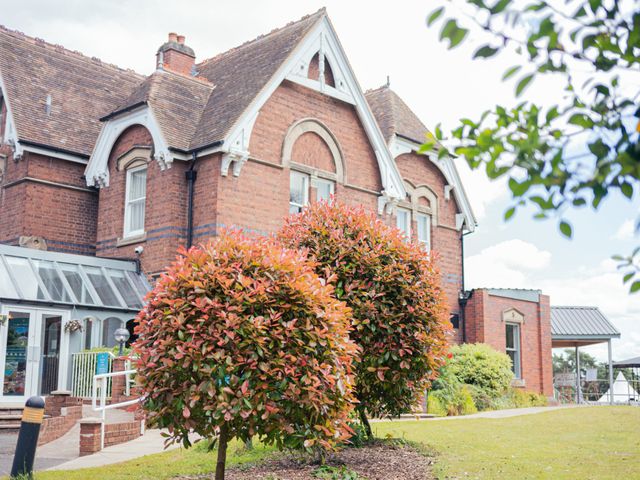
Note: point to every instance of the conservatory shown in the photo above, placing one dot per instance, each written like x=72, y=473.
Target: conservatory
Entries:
x=54, y=305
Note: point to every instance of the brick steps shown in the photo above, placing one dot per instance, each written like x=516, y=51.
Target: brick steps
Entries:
x=10, y=419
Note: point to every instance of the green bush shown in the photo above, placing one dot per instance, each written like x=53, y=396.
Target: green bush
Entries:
x=522, y=398
x=480, y=365
x=435, y=407
x=453, y=402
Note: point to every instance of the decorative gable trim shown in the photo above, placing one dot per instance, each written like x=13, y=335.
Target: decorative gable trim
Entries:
x=513, y=315
x=10, y=131
x=97, y=171
x=322, y=37
x=399, y=145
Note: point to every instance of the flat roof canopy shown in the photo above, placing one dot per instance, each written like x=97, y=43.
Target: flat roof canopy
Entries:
x=628, y=363
x=36, y=276
x=578, y=326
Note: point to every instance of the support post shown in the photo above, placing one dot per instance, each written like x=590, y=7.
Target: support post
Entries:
x=28, y=438
x=578, y=389
x=610, y=372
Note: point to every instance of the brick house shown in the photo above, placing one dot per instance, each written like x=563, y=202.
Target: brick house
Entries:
x=114, y=166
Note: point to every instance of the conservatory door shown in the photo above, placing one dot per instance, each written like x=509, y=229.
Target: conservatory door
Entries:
x=32, y=349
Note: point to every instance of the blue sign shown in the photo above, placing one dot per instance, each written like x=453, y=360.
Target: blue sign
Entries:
x=102, y=363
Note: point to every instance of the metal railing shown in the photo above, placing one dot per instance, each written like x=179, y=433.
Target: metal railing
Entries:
x=82, y=371
x=102, y=383
x=598, y=392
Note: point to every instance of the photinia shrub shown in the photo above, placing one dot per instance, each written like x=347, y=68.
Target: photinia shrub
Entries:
x=393, y=288
x=240, y=338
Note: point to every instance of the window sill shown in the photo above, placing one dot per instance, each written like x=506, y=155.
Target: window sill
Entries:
x=122, y=242
x=518, y=382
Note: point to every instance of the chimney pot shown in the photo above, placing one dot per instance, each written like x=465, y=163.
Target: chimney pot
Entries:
x=181, y=39
x=173, y=37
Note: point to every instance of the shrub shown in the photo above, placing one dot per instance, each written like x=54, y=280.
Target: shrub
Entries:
x=241, y=338
x=522, y=398
x=393, y=289
x=456, y=402
x=434, y=406
x=483, y=367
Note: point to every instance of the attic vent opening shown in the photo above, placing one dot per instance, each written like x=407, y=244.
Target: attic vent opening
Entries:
x=47, y=105
x=315, y=72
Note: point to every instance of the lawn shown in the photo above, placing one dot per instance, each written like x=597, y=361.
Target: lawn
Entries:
x=585, y=443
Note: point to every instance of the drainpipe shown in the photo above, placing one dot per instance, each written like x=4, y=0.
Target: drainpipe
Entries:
x=191, y=176
x=463, y=294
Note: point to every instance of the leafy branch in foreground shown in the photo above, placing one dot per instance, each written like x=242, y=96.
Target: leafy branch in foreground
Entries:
x=572, y=153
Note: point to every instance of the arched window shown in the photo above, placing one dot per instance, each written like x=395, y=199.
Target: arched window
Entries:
x=313, y=176
x=134, y=163
x=109, y=326
x=131, y=325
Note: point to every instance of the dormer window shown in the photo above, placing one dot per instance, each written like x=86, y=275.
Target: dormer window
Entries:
x=298, y=191
x=135, y=199
x=403, y=221
x=423, y=230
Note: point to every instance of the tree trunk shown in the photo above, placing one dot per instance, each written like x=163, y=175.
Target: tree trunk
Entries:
x=222, y=451
x=365, y=422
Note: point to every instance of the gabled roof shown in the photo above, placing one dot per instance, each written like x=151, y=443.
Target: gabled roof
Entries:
x=241, y=73
x=177, y=102
x=81, y=90
x=405, y=132
x=580, y=322
x=394, y=116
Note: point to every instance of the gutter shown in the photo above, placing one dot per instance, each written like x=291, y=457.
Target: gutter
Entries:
x=53, y=149
x=123, y=110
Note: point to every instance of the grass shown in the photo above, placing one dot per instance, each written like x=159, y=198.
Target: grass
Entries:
x=585, y=443
x=160, y=466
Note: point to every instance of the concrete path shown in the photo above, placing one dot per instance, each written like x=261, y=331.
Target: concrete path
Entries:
x=150, y=442
x=511, y=412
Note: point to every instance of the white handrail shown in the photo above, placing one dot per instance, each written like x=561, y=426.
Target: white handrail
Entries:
x=103, y=407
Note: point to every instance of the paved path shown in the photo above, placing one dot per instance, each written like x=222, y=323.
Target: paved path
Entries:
x=511, y=412
x=150, y=442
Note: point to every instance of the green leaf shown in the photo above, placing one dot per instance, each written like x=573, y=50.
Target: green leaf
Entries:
x=635, y=286
x=509, y=213
x=566, y=229
x=499, y=6
x=581, y=120
x=523, y=83
x=627, y=189
x=485, y=52
x=434, y=16
x=628, y=277
x=457, y=37
x=511, y=72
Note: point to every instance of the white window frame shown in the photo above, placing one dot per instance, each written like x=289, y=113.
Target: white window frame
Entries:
x=127, y=204
x=407, y=233
x=517, y=365
x=425, y=242
x=305, y=190
x=322, y=181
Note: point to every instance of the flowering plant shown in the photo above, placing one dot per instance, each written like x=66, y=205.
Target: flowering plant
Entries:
x=73, y=326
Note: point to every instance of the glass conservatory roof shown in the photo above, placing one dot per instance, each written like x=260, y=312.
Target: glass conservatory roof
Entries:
x=51, y=277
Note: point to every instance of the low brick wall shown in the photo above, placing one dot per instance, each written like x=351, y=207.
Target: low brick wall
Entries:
x=114, y=434
x=54, y=427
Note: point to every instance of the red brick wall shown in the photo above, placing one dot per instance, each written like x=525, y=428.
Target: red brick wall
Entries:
x=47, y=197
x=445, y=239
x=483, y=317
x=178, y=62
x=165, y=208
x=53, y=428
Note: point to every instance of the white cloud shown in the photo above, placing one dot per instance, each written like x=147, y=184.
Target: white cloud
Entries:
x=626, y=231
x=507, y=264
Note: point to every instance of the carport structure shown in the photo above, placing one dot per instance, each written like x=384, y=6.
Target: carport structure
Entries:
x=578, y=327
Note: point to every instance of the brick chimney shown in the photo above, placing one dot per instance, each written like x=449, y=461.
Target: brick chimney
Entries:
x=174, y=55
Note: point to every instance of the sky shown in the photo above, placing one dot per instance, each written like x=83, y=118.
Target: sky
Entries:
x=387, y=39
